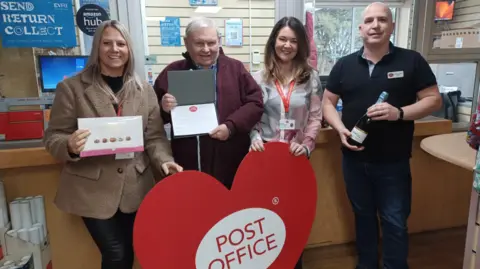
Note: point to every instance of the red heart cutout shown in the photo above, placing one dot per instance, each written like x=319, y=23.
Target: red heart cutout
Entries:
x=190, y=220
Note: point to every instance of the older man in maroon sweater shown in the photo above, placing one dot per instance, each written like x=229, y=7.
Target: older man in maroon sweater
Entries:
x=239, y=105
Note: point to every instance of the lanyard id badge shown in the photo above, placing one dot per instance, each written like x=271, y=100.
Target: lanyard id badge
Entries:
x=285, y=123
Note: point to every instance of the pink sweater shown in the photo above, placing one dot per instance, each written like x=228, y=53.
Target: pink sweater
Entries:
x=305, y=108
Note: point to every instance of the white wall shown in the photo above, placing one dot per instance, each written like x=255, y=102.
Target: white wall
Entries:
x=466, y=14
x=403, y=27
x=257, y=15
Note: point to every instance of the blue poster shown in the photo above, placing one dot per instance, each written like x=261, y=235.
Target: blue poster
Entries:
x=203, y=2
x=37, y=23
x=170, y=32
x=234, y=33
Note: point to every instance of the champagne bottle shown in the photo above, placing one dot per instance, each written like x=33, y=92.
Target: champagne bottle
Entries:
x=360, y=130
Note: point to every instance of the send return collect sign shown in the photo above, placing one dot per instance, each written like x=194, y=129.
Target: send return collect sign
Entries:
x=37, y=23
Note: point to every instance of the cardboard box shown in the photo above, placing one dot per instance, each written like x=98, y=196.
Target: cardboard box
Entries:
x=458, y=39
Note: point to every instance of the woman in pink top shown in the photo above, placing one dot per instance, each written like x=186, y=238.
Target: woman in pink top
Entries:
x=291, y=92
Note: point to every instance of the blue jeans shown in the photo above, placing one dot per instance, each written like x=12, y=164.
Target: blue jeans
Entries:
x=385, y=188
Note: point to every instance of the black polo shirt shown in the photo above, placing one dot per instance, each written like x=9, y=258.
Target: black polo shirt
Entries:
x=402, y=73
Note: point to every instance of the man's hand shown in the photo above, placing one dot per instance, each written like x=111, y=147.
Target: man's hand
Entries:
x=344, y=135
x=221, y=132
x=170, y=168
x=168, y=102
x=383, y=111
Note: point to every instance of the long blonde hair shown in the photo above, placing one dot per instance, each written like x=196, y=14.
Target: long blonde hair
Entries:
x=130, y=78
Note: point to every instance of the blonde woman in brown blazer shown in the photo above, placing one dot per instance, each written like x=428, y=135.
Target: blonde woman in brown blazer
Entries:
x=106, y=192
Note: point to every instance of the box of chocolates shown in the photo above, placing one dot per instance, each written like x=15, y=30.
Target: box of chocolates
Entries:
x=112, y=135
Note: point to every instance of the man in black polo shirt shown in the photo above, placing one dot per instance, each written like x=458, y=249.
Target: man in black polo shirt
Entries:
x=377, y=173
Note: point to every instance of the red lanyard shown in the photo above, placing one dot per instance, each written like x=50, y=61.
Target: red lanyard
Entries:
x=285, y=99
x=119, y=109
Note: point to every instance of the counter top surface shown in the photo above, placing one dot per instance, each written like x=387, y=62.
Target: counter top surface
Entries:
x=18, y=144
x=25, y=157
x=452, y=148
x=427, y=126
x=38, y=156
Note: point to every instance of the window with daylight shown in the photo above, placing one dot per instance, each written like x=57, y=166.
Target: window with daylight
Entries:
x=336, y=34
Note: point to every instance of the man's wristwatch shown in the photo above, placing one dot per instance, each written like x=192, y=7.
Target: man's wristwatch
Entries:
x=400, y=116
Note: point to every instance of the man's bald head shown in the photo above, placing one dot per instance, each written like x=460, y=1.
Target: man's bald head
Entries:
x=377, y=25
x=376, y=6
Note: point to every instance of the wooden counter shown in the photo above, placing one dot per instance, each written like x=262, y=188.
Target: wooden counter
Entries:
x=438, y=201
x=425, y=127
x=453, y=149
x=33, y=171
x=31, y=157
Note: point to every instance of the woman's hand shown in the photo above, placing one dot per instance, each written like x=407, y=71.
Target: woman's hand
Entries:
x=257, y=145
x=170, y=168
x=77, y=140
x=297, y=149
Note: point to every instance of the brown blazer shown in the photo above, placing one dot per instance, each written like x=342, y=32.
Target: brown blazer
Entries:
x=98, y=186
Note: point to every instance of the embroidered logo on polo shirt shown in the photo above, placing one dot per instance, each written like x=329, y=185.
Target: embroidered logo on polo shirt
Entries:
x=396, y=74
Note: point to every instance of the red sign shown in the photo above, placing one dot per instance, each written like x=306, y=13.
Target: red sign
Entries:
x=193, y=109
x=190, y=220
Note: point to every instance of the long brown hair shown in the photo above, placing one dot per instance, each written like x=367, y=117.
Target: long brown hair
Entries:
x=302, y=69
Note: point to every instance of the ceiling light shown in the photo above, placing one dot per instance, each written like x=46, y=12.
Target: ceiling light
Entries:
x=207, y=9
x=155, y=18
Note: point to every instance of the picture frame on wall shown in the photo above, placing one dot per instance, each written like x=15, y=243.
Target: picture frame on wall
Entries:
x=196, y=3
x=234, y=33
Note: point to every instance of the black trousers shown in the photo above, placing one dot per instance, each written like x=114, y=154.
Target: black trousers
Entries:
x=114, y=239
